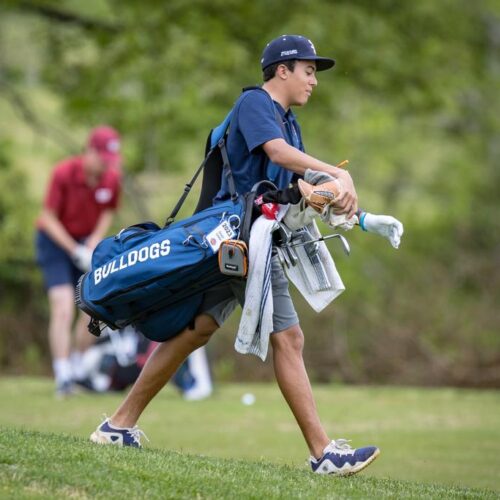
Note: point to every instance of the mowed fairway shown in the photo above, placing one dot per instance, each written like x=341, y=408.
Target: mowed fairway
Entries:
x=443, y=437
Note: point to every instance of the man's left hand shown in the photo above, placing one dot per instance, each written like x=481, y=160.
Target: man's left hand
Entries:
x=384, y=225
x=347, y=202
x=82, y=258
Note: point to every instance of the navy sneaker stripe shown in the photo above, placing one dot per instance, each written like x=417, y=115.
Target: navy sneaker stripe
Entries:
x=128, y=440
x=339, y=460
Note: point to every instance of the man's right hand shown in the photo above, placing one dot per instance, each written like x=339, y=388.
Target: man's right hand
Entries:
x=82, y=258
x=347, y=202
x=281, y=153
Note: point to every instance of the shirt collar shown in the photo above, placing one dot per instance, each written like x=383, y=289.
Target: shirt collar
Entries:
x=79, y=174
x=285, y=115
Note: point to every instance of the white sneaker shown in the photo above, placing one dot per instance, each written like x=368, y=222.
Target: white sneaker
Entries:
x=342, y=460
x=65, y=389
x=106, y=433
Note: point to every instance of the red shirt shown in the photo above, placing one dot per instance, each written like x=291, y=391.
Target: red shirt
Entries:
x=76, y=204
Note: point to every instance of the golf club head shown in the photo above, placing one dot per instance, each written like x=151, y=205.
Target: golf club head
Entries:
x=283, y=257
x=282, y=235
x=345, y=244
x=310, y=244
x=292, y=255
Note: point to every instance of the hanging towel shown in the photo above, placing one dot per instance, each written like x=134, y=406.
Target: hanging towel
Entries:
x=256, y=322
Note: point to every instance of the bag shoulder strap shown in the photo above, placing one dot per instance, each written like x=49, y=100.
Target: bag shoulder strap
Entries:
x=187, y=188
x=217, y=138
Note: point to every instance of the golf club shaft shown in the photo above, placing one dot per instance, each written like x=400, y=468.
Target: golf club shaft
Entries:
x=323, y=238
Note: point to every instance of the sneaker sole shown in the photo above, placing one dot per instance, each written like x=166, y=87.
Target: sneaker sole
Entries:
x=359, y=467
x=98, y=438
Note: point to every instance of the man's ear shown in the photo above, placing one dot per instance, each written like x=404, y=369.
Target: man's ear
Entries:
x=282, y=72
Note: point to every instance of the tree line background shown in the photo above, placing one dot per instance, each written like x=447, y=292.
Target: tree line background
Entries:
x=413, y=103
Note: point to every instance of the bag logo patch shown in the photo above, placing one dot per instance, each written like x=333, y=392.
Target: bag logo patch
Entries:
x=154, y=251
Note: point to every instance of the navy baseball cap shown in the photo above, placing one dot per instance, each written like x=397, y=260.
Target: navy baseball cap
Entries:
x=287, y=47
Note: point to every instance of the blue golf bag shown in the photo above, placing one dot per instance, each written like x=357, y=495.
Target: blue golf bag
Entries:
x=154, y=278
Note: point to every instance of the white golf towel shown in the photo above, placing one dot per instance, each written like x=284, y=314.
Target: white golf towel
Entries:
x=256, y=322
x=304, y=277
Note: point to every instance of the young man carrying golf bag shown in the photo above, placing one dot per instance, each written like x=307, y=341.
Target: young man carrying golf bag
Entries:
x=264, y=143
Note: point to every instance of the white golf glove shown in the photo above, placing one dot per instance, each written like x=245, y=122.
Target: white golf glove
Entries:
x=336, y=221
x=384, y=225
x=82, y=258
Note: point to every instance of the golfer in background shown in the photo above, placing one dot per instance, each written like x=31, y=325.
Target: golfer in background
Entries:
x=79, y=205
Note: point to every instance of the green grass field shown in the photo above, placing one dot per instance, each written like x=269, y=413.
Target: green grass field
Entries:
x=436, y=443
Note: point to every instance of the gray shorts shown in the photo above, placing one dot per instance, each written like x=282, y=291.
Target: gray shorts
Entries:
x=221, y=300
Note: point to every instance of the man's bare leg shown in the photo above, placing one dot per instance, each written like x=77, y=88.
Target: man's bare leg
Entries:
x=83, y=339
x=293, y=381
x=160, y=367
x=62, y=311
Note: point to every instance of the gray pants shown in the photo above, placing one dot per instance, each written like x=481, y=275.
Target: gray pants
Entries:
x=221, y=300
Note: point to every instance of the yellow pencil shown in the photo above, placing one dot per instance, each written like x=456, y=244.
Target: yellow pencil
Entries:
x=342, y=164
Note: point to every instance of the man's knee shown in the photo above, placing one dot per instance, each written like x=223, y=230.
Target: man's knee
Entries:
x=204, y=327
x=291, y=339
x=62, y=305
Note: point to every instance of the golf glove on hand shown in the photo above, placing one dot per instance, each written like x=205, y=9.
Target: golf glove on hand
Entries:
x=336, y=221
x=82, y=258
x=384, y=225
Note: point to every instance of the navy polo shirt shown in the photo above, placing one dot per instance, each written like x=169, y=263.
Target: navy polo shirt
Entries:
x=256, y=120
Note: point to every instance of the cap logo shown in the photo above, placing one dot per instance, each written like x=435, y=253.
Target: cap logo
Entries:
x=289, y=52
x=103, y=195
x=113, y=146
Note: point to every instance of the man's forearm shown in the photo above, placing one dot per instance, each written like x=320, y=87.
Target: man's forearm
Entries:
x=281, y=153
x=56, y=231
x=101, y=229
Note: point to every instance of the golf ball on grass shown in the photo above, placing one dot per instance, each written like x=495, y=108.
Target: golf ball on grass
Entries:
x=248, y=399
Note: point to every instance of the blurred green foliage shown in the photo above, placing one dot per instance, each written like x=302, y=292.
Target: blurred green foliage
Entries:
x=412, y=103
x=15, y=211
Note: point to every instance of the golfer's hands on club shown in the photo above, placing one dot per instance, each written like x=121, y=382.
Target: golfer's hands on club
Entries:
x=384, y=225
x=82, y=258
